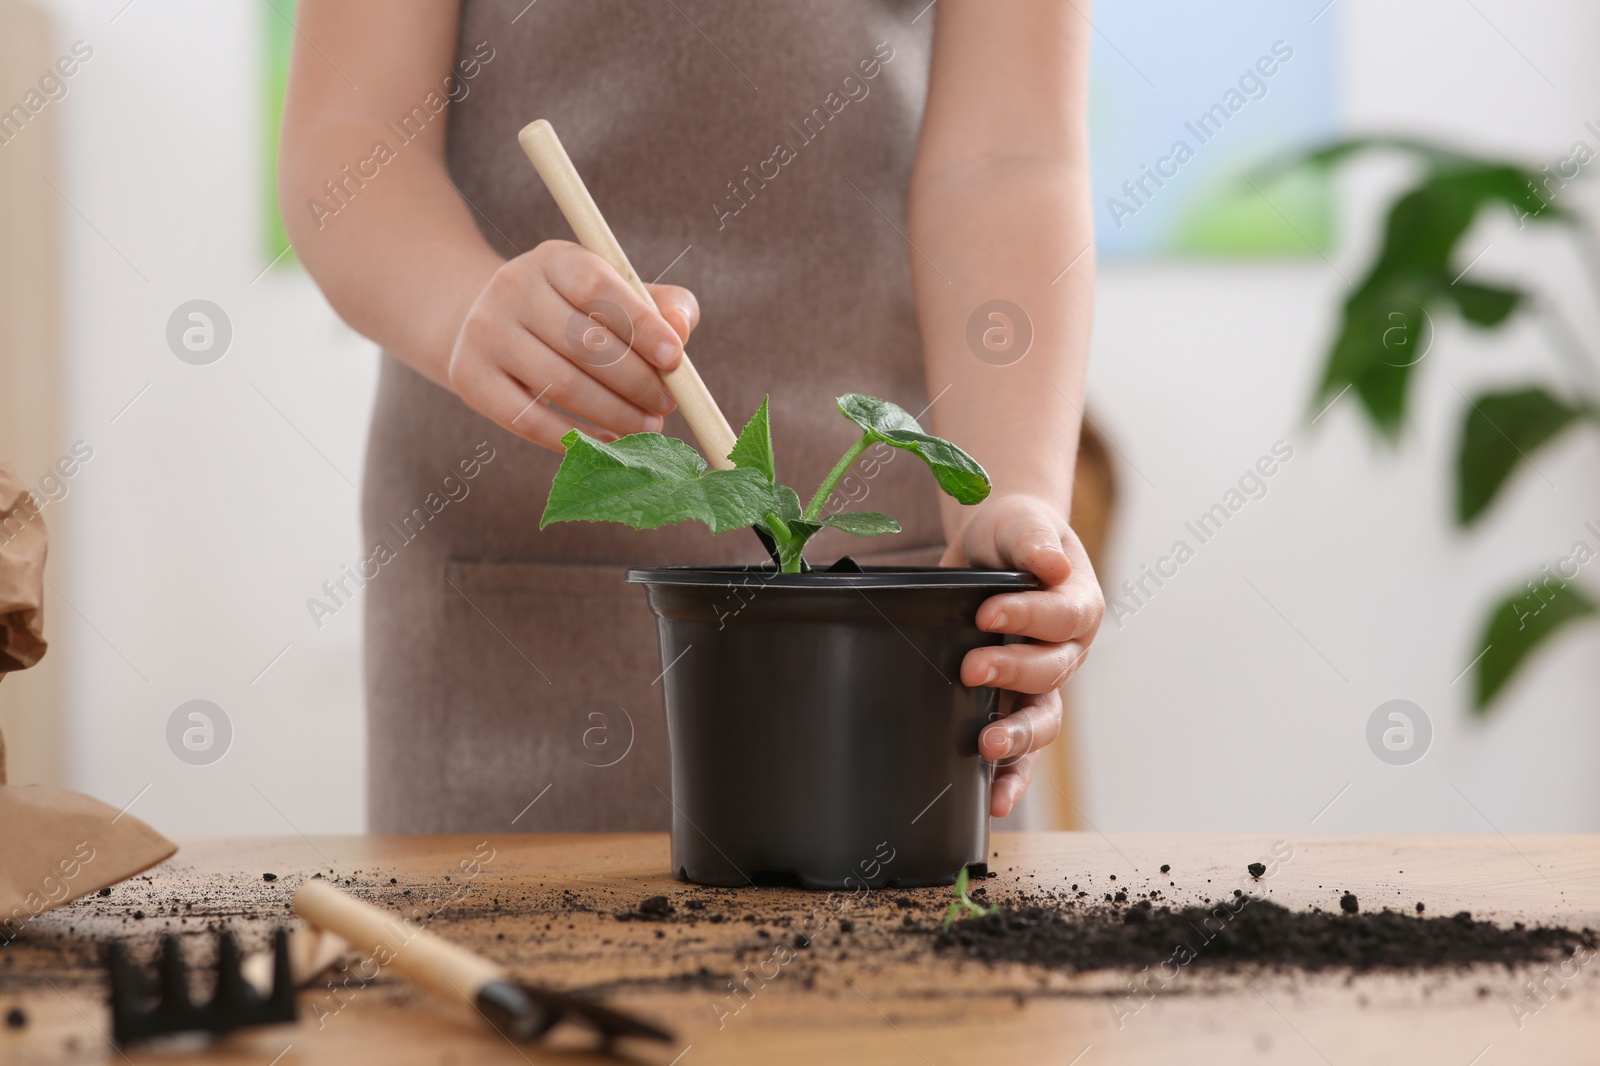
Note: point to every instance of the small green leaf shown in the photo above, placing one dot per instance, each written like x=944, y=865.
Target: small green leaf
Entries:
x=1484, y=305
x=753, y=449
x=960, y=892
x=963, y=901
x=1521, y=623
x=956, y=472
x=1501, y=430
x=786, y=503
x=863, y=523
x=791, y=538
x=875, y=415
x=646, y=480
x=785, y=509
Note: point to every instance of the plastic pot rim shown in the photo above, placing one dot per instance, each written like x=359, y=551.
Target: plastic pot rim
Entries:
x=869, y=577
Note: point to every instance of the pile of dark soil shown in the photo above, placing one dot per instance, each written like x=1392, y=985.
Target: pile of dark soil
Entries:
x=1248, y=932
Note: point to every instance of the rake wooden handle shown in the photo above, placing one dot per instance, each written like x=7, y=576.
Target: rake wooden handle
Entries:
x=449, y=971
x=538, y=139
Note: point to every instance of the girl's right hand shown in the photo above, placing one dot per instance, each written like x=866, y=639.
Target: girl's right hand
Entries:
x=557, y=333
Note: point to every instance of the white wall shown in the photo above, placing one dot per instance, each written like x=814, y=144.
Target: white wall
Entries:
x=1207, y=710
x=206, y=517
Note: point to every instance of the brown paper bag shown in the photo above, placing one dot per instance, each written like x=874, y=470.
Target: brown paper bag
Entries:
x=55, y=845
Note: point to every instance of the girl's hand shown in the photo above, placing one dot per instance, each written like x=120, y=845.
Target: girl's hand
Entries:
x=558, y=341
x=1016, y=532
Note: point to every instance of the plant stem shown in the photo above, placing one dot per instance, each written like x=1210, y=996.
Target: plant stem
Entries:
x=814, y=508
x=782, y=539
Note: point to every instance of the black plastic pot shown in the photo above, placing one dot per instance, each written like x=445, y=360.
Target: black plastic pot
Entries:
x=818, y=726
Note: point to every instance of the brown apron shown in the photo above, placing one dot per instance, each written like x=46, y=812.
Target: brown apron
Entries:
x=511, y=673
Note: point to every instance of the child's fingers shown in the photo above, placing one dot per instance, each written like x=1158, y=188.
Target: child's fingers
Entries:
x=1009, y=785
x=678, y=306
x=1034, y=722
x=591, y=285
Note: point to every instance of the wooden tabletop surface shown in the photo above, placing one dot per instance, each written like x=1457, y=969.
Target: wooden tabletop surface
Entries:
x=867, y=988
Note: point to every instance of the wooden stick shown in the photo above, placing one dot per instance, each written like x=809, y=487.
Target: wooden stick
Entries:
x=447, y=970
x=538, y=139
x=518, y=1011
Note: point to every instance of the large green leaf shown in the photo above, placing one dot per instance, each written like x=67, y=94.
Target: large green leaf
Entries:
x=1426, y=223
x=1500, y=431
x=956, y=472
x=1484, y=305
x=1418, y=268
x=1327, y=156
x=862, y=523
x=1385, y=331
x=1521, y=623
x=646, y=480
x=753, y=449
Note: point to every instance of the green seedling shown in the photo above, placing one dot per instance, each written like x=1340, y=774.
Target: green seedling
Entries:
x=647, y=480
x=963, y=902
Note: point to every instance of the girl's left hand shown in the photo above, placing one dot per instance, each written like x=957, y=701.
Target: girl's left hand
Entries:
x=1017, y=532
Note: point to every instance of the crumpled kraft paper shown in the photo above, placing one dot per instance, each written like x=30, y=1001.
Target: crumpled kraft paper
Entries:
x=55, y=845
x=22, y=552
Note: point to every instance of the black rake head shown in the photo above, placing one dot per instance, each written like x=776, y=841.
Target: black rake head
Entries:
x=138, y=1015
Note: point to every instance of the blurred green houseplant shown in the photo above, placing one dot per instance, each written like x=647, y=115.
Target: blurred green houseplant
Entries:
x=1386, y=329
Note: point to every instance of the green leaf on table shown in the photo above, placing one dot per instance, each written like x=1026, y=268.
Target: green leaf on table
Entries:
x=753, y=449
x=956, y=472
x=963, y=901
x=647, y=480
x=1502, y=430
x=862, y=523
x=1520, y=624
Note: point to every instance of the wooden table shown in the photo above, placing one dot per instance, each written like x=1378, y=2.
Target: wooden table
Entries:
x=548, y=905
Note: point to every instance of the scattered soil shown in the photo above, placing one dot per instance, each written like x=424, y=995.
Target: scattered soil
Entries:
x=623, y=940
x=1349, y=904
x=16, y=1018
x=656, y=906
x=1251, y=932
